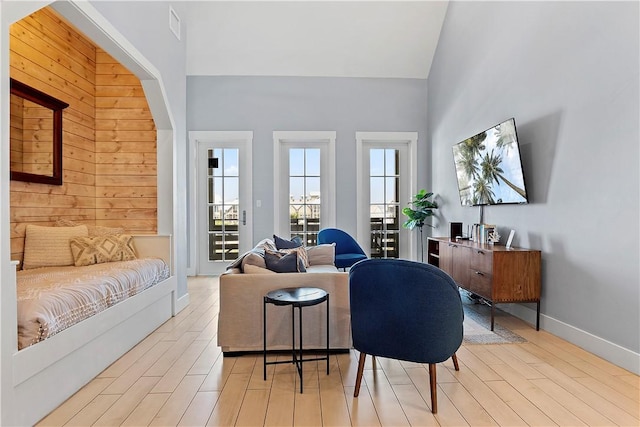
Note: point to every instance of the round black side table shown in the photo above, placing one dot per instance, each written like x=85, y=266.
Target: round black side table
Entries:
x=295, y=297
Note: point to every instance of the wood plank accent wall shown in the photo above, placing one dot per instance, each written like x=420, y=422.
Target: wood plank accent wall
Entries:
x=102, y=157
x=126, y=156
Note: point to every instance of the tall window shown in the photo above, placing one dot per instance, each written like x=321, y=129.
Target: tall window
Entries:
x=384, y=207
x=223, y=203
x=386, y=165
x=304, y=193
x=304, y=183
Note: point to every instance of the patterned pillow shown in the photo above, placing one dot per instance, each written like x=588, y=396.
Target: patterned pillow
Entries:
x=49, y=246
x=100, y=249
x=302, y=254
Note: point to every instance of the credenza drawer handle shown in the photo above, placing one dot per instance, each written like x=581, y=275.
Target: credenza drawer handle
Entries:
x=479, y=273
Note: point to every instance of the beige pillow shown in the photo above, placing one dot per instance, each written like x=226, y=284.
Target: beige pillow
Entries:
x=49, y=246
x=324, y=254
x=99, y=249
x=94, y=230
x=254, y=269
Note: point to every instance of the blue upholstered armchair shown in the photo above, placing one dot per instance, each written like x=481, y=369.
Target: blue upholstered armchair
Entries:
x=404, y=310
x=348, y=251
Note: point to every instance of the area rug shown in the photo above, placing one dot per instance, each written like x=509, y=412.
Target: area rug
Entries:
x=477, y=324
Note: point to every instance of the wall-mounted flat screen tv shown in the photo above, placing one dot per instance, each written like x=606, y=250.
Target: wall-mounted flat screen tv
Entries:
x=489, y=167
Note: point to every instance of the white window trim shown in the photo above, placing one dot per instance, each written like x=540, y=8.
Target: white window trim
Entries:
x=388, y=139
x=327, y=172
x=214, y=136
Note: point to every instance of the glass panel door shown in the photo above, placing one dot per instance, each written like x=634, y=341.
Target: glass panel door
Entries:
x=384, y=205
x=223, y=204
x=304, y=193
x=224, y=228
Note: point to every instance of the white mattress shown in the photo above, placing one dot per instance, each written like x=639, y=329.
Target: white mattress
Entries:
x=52, y=299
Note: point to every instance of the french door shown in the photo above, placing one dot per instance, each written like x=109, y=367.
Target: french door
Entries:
x=224, y=220
x=385, y=183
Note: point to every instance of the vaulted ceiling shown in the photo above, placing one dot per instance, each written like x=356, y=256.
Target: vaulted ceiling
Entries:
x=395, y=39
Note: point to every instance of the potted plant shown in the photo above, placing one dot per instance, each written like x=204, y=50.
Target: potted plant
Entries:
x=421, y=207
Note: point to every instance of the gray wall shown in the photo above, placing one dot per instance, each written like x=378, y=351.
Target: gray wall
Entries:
x=568, y=73
x=344, y=105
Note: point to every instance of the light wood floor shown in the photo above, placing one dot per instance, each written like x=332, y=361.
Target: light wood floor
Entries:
x=178, y=376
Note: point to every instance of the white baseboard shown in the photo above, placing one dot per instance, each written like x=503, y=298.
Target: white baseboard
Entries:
x=614, y=353
x=181, y=303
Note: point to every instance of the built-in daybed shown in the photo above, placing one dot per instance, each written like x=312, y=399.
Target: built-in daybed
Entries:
x=41, y=376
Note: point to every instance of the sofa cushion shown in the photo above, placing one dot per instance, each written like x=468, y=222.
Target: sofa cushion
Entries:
x=283, y=263
x=287, y=244
x=323, y=254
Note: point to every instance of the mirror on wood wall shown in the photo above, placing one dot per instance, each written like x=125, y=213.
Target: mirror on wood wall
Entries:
x=36, y=135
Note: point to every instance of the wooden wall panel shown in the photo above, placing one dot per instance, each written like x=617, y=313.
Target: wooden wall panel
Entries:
x=51, y=56
x=109, y=137
x=126, y=159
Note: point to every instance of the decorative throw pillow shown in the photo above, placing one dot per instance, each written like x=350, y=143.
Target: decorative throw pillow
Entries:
x=49, y=246
x=287, y=244
x=100, y=249
x=324, y=254
x=302, y=254
x=283, y=263
x=254, y=269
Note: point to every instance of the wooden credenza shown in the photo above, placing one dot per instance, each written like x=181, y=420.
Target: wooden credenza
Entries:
x=493, y=272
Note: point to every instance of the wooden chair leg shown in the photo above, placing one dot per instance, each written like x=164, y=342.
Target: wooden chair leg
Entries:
x=363, y=356
x=433, y=386
x=455, y=362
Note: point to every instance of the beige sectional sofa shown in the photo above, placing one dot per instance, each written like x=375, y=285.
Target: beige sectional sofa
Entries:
x=243, y=286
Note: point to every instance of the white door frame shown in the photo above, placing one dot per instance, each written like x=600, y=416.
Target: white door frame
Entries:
x=244, y=138
x=364, y=140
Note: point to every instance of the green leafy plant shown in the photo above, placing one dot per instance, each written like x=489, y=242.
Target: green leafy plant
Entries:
x=421, y=207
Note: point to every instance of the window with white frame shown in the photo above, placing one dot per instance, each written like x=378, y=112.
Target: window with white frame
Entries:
x=304, y=187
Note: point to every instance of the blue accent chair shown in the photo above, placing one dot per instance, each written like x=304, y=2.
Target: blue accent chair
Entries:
x=348, y=251
x=405, y=310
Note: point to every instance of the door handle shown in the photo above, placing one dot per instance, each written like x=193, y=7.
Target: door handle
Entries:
x=244, y=217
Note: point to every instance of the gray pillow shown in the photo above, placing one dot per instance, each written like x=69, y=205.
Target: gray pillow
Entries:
x=283, y=263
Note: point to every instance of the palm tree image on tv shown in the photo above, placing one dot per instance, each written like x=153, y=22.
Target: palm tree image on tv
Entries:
x=488, y=167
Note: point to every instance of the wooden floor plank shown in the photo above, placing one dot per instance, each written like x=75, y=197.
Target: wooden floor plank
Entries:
x=254, y=408
x=281, y=399
x=125, y=405
x=94, y=410
x=174, y=408
x=146, y=411
x=76, y=403
x=200, y=408
x=226, y=411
